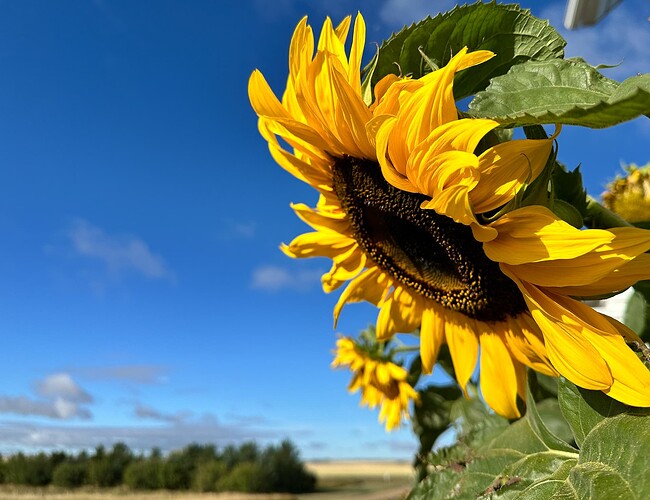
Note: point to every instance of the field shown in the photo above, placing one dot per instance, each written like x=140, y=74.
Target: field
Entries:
x=363, y=480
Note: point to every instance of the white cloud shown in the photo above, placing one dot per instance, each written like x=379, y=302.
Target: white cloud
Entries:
x=139, y=374
x=274, y=278
x=622, y=36
x=60, y=398
x=19, y=436
x=61, y=385
x=118, y=252
x=146, y=412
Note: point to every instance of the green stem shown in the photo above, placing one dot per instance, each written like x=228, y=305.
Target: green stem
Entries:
x=405, y=348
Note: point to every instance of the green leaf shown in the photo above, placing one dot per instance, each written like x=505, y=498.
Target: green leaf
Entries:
x=549, y=411
x=613, y=463
x=643, y=288
x=594, y=482
x=530, y=434
x=583, y=409
x=562, y=91
x=513, y=34
x=533, y=469
x=505, y=459
x=543, y=488
x=636, y=312
x=431, y=416
x=568, y=213
x=568, y=187
x=628, y=433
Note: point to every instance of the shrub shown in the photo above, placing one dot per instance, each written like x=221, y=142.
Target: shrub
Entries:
x=284, y=470
x=70, y=474
x=247, y=477
x=177, y=472
x=106, y=469
x=207, y=474
x=145, y=474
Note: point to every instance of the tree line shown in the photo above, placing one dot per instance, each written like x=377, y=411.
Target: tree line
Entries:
x=245, y=468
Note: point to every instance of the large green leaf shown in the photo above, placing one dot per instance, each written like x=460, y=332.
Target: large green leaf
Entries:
x=568, y=91
x=525, y=460
x=583, y=409
x=522, y=453
x=614, y=461
x=513, y=34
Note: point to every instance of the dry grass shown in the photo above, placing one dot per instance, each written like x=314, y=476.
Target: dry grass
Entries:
x=354, y=479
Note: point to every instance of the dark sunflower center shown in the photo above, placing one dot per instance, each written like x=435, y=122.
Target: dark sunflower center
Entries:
x=427, y=252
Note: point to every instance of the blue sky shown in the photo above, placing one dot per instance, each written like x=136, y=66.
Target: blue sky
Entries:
x=143, y=296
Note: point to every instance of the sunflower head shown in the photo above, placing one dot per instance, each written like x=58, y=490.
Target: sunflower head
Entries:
x=629, y=195
x=381, y=382
x=421, y=216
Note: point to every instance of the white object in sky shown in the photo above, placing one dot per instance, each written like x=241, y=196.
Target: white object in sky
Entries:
x=586, y=12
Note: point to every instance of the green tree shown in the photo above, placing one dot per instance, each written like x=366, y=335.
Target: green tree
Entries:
x=284, y=471
x=144, y=474
x=70, y=474
x=248, y=477
x=107, y=469
x=177, y=471
x=207, y=474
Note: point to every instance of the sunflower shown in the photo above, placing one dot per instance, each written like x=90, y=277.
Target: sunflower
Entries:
x=382, y=383
x=420, y=219
x=629, y=196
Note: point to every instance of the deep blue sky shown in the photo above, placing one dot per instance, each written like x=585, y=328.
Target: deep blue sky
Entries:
x=142, y=293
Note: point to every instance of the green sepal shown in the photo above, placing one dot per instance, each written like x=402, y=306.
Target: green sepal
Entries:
x=367, y=86
x=568, y=213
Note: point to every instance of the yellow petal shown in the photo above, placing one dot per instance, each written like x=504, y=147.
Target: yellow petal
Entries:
x=372, y=286
x=433, y=105
x=526, y=344
x=432, y=335
x=505, y=168
x=356, y=53
x=463, y=347
x=383, y=138
x=535, y=234
x=458, y=135
x=309, y=172
x=318, y=244
x=568, y=349
x=499, y=382
x=301, y=49
x=631, y=378
x=401, y=312
x=345, y=267
x=616, y=281
x=355, y=114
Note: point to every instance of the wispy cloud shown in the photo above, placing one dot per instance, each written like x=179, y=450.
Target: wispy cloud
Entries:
x=621, y=37
x=138, y=374
x=119, y=253
x=62, y=385
x=59, y=397
x=148, y=413
x=274, y=278
x=18, y=435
